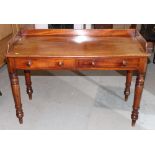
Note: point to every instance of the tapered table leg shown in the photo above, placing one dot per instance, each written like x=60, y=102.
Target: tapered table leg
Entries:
x=28, y=83
x=17, y=97
x=128, y=84
x=138, y=92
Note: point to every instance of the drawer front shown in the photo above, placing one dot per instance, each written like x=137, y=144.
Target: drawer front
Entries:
x=44, y=63
x=108, y=63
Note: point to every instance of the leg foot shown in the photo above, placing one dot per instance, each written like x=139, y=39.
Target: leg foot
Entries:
x=128, y=84
x=21, y=121
x=126, y=97
x=28, y=83
x=30, y=96
x=134, y=116
x=133, y=123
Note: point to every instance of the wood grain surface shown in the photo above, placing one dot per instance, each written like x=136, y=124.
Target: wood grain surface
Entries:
x=78, y=43
x=78, y=50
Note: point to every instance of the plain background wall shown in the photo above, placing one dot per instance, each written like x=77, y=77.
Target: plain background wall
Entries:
x=5, y=30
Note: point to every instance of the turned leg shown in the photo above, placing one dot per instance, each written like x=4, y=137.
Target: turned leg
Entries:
x=28, y=83
x=16, y=95
x=138, y=92
x=128, y=84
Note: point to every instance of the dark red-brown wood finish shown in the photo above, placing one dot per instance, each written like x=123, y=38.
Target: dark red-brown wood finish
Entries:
x=78, y=50
x=128, y=84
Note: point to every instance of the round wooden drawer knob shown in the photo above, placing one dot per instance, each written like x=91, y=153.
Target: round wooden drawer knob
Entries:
x=124, y=63
x=60, y=63
x=29, y=63
x=93, y=63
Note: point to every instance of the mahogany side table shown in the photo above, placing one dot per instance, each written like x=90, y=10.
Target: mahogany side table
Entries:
x=77, y=50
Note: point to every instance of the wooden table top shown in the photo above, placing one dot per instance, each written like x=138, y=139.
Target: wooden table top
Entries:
x=79, y=43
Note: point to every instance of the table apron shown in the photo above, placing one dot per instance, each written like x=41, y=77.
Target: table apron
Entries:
x=77, y=63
